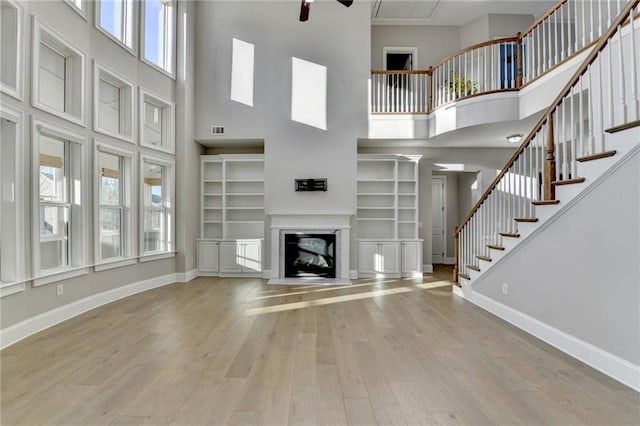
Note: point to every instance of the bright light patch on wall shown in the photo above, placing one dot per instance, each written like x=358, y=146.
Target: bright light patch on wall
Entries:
x=242, y=72
x=309, y=93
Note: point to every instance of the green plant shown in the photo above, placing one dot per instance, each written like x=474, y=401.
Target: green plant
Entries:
x=459, y=87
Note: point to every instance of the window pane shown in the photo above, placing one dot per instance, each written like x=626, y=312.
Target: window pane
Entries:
x=109, y=107
x=110, y=179
x=111, y=17
x=8, y=217
x=52, y=158
x=153, y=124
x=9, y=43
x=154, y=31
x=54, y=222
x=110, y=232
x=152, y=175
x=153, y=221
x=52, y=78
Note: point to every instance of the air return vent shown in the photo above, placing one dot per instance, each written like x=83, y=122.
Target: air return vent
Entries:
x=217, y=130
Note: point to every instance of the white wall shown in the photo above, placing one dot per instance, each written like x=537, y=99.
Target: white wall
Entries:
x=474, y=32
x=504, y=25
x=581, y=275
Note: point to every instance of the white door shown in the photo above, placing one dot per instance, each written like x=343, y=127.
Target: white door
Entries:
x=367, y=256
x=231, y=257
x=208, y=256
x=388, y=257
x=437, y=219
x=252, y=256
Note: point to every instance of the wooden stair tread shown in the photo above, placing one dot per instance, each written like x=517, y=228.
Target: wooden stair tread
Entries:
x=474, y=268
x=495, y=247
x=466, y=277
x=485, y=258
x=568, y=181
x=624, y=126
x=545, y=202
x=510, y=234
x=596, y=156
x=526, y=219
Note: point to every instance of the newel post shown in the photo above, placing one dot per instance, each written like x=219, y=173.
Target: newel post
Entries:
x=456, y=254
x=519, y=60
x=430, y=97
x=550, y=164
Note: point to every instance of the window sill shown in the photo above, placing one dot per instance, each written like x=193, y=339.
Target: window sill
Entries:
x=157, y=256
x=171, y=75
x=59, y=276
x=120, y=43
x=82, y=13
x=11, y=91
x=119, y=136
x=9, y=288
x=157, y=148
x=113, y=264
x=80, y=121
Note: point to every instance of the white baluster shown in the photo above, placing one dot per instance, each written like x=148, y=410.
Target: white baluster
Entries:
x=621, y=77
x=634, y=66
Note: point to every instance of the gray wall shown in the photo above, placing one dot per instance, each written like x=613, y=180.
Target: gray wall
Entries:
x=492, y=26
x=61, y=18
x=581, y=274
x=434, y=43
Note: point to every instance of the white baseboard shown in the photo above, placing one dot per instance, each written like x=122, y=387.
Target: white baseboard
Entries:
x=353, y=274
x=608, y=363
x=427, y=269
x=26, y=328
x=449, y=261
x=266, y=274
x=185, y=277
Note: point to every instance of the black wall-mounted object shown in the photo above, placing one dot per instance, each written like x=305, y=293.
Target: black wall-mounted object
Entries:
x=315, y=184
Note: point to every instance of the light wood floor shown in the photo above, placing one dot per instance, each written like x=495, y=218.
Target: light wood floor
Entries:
x=237, y=351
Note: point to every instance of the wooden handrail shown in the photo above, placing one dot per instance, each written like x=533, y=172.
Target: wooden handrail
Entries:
x=400, y=72
x=477, y=46
x=543, y=17
x=604, y=40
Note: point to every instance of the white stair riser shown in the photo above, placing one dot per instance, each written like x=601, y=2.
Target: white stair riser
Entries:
x=526, y=228
x=567, y=193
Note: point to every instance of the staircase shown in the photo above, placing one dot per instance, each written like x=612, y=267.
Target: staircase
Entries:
x=592, y=125
x=543, y=227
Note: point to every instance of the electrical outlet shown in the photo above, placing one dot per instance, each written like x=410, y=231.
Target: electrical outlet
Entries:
x=505, y=288
x=59, y=289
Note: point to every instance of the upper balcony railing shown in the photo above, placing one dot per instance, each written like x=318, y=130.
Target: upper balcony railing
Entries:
x=567, y=29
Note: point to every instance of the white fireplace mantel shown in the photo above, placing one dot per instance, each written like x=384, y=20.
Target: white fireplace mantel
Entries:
x=306, y=223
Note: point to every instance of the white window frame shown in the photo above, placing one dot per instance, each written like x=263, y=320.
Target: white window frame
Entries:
x=75, y=84
x=17, y=284
x=78, y=6
x=400, y=49
x=169, y=42
x=78, y=199
x=127, y=102
x=168, y=201
x=127, y=224
x=129, y=22
x=168, y=121
x=17, y=91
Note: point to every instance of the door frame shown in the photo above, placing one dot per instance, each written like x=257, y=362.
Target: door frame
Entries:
x=400, y=49
x=444, y=180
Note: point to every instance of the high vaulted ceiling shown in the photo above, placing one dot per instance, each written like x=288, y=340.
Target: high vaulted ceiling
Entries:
x=450, y=12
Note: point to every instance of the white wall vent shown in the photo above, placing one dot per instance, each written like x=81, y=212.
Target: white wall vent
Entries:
x=217, y=130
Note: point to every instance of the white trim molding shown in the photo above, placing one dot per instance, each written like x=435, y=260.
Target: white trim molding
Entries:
x=185, y=277
x=26, y=328
x=427, y=268
x=608, y=363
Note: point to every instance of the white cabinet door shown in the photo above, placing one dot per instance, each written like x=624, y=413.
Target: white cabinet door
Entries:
x=389, y=257
x=231, y=257
x=252, y=256
x=411, y=258
x=208, y=256
x=367, y=256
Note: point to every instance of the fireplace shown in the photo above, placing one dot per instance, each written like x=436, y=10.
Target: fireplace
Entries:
x=309, y=255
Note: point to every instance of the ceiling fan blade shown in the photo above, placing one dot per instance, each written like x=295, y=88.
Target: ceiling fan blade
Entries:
x=304, y=11
x=346, y=2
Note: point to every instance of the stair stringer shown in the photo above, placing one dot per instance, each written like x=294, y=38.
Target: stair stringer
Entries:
x=593, y=348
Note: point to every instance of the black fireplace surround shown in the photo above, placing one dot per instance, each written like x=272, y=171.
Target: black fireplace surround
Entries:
x=309, y=255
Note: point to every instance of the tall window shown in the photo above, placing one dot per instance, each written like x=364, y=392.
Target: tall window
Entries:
x=59, y=210
x=159, y=33
x=11, y=190
x=116, y=18
x=157, y=125
x=157, y=206
x=114, y=227
x=113, y=104
x=11, y=47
